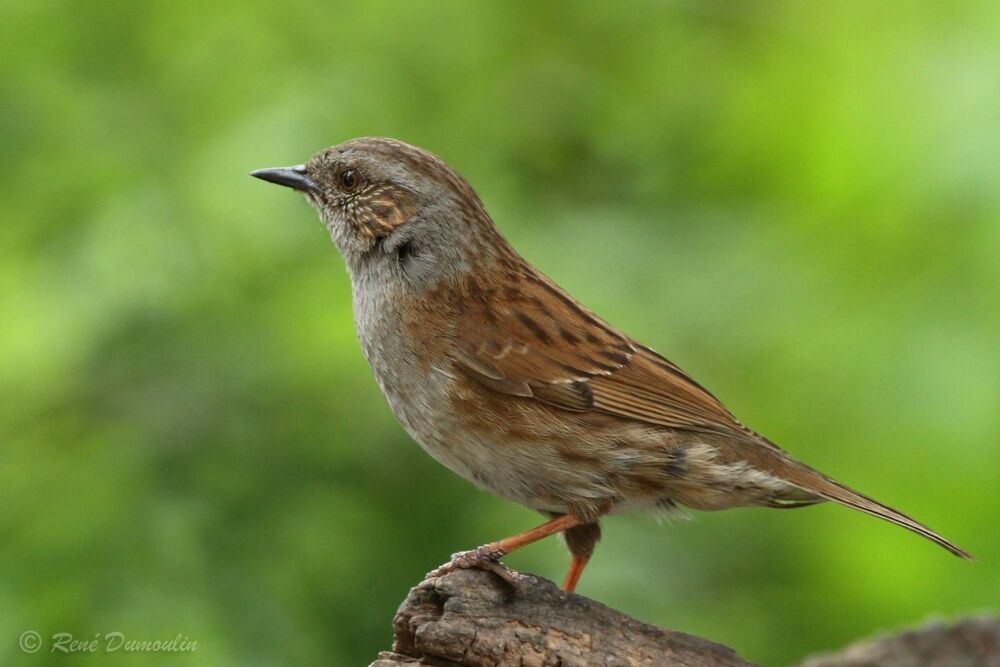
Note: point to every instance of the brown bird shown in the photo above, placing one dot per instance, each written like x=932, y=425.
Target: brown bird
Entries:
x=507, y=380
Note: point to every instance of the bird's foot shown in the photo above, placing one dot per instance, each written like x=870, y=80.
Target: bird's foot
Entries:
x=486, y=557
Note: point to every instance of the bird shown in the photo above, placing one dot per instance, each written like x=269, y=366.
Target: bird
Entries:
x=507, y=380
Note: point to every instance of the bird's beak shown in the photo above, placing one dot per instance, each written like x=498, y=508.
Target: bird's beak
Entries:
x=291, y=177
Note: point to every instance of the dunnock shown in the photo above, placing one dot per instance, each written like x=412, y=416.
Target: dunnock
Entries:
x=508, y=381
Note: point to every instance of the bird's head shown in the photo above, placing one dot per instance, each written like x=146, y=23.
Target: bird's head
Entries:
x=385, y=200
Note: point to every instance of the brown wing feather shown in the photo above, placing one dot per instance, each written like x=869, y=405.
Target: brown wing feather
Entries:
x=537, y=342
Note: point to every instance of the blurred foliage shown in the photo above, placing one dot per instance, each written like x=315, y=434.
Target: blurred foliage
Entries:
x=797, y=202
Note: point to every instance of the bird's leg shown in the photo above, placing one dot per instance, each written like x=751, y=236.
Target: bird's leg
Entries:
x=581, y=541
x=574, y=572
x=487, y=555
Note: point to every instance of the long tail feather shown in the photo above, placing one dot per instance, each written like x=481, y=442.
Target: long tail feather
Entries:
x=807, y=479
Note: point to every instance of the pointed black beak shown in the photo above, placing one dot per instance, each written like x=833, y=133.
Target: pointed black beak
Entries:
x=291, y=177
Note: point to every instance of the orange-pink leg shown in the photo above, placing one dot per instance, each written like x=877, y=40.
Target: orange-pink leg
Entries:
x=581, y=541
x=488, y=554
x=575, y=570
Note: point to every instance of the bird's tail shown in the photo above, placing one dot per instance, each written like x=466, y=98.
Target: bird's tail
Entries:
x=803, y=477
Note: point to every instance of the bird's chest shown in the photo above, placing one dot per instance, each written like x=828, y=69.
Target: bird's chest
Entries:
x=458, y=422
x=407, y=352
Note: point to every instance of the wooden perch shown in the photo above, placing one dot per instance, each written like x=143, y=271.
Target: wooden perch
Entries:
x=970, y=642
x=473, y=618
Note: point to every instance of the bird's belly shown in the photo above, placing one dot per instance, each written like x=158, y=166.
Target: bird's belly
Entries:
x=525, y=472
x=419, y=404
x=535, y=471
x=508, y=469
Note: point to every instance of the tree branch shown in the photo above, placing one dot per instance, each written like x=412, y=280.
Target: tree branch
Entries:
x=473, y=618
x=970, y=642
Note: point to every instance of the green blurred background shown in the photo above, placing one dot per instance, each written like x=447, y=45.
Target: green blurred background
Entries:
x=799, y=203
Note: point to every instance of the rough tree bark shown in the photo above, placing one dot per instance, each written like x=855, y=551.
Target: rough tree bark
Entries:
x=473, y=618
x=970, y=642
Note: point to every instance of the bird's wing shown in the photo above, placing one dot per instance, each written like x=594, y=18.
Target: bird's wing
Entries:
x=537, y=342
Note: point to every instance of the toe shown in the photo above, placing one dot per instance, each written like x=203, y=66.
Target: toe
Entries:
x=485, y=556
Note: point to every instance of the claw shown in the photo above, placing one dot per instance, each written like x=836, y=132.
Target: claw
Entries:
x=512, y=577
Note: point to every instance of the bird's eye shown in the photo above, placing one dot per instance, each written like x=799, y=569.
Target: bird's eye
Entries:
x=349, y=179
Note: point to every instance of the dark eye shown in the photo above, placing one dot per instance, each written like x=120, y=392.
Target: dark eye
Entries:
x=349, y=179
